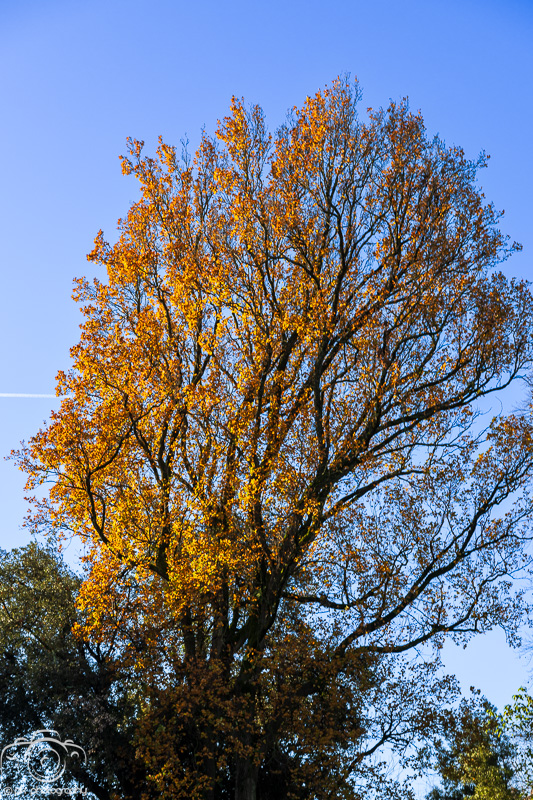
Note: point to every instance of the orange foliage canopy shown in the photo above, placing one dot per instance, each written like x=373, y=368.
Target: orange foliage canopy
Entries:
x=270, y=437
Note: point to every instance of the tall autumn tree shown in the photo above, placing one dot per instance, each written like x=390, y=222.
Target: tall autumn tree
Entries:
x=271, y=440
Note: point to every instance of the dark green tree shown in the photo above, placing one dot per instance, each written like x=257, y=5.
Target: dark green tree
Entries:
x=51, y=680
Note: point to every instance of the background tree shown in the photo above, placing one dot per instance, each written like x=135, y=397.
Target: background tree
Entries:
x=270, y=442
x=50, y=680
x=516, y=723
x=475, y=757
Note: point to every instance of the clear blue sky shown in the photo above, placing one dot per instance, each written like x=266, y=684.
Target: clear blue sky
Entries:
x=78, y=78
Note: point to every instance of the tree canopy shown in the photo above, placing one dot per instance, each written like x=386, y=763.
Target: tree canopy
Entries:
x=271, y=441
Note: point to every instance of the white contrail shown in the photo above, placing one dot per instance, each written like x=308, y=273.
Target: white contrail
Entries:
x=15, y=394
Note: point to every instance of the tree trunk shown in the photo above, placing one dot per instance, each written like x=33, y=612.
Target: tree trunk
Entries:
x=246, y=780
